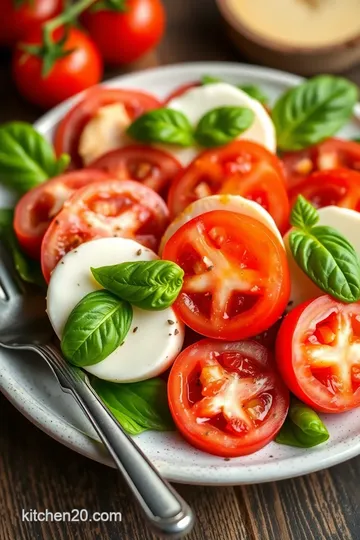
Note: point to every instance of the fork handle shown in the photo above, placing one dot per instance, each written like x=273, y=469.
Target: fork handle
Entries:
x=168, y=514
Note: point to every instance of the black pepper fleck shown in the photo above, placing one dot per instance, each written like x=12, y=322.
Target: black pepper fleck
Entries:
x=170, y=334
x=135, y=329
x=176, y=331
x=139, y=252
x=227, y=459
x=57, y=222
x=62, y=262
x=209, y=268
x=170, y=321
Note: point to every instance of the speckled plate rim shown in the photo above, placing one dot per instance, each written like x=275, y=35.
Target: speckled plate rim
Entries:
x=299, y=461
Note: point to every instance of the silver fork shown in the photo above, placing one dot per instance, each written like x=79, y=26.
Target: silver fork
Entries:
x=25, y=326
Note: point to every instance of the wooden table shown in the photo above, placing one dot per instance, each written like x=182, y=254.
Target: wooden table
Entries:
x=38, y=473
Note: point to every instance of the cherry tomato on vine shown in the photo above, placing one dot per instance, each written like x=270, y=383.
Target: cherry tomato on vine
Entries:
x=70, y=74
x=18, y=17
x=125, y=32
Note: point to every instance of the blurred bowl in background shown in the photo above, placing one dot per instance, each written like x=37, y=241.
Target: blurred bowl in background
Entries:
x=335, y=48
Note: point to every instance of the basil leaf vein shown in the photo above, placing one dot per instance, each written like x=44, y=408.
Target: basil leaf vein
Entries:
x=137, y=406
x=151, y=285
x=222, y=125
x=163, y=126
x=97, y=325
x=26, y=158
x=329, y=260
x=313, y=111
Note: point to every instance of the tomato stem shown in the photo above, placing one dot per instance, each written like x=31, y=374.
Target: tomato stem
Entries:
x=68, y=15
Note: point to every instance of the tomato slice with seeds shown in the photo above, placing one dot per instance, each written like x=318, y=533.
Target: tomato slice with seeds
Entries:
x=150, y=166
x=236, y=282
x=36, y=209
x=227, y=398
x=330, y=154
x=70, y=128
x=318, y=354
x=109, y=208
x=239, y=168
x=339, y=187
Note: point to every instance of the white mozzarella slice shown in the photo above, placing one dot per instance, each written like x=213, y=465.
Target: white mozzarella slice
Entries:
x=196, y=102
x=147, y=351
x=347, y=222
x=106, y=131
x=232, y=203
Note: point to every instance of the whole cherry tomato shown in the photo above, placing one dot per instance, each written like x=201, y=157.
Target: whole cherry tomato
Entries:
x=68, y=75
x=126, y=32
x=18, y=17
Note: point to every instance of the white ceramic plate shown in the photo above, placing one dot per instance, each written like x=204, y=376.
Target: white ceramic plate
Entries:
x=29, y=385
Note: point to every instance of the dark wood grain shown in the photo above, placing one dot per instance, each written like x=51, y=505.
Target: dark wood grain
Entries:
x=38, y=473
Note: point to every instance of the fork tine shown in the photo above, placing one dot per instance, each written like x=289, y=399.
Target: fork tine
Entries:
x=9, y=283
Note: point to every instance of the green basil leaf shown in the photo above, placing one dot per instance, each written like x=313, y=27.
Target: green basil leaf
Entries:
x=137, y=406
x=302, y=428
x=255, y=92
x=151, y=285
x=26, y=158
x=28, y=269
x=222, y=125
x=329, y=260
x=97, y=325
x=304, y=214
x=313, y=111
x=209, y=79
x=162, y=126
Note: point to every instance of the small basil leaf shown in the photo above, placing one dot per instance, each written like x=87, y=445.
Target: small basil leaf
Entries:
x=97, y=325
x=28, y=269
x=137, y=406
x=302, y=428
x=255, y=92
x=209, y=79
x=26, y=158
x=163, y=126
x=62, y=164
x=329, y=260
x=303, y=215
x=222, y=125
x=313, y=111
x=152, y=285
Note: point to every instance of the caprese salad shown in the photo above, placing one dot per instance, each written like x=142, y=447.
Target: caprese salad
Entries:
x=201, y=255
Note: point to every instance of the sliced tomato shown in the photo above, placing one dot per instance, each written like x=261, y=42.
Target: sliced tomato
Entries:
x=239, y=168
x=236, y=282
x=36, y=209
x=180, y=90
x=340, y=187
x=109, y=208
x=227, y=398
x=318, y=354
x=150, y=166
x=69, y=130
x=330, y=154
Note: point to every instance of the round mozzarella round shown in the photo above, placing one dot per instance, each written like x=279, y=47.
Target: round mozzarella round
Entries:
x=155, y=337
x=347, y=222
x=200, y=100
x=232, y=203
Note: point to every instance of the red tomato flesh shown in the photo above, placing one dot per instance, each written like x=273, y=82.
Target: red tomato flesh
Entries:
x=36, y=209
x=70, y=128
x=236, y=281
x=109, y=208
x=339, y=187
x=239, y=168
x=227, y=398
x=152, y=167
x=318, y=354
x=330, y=154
